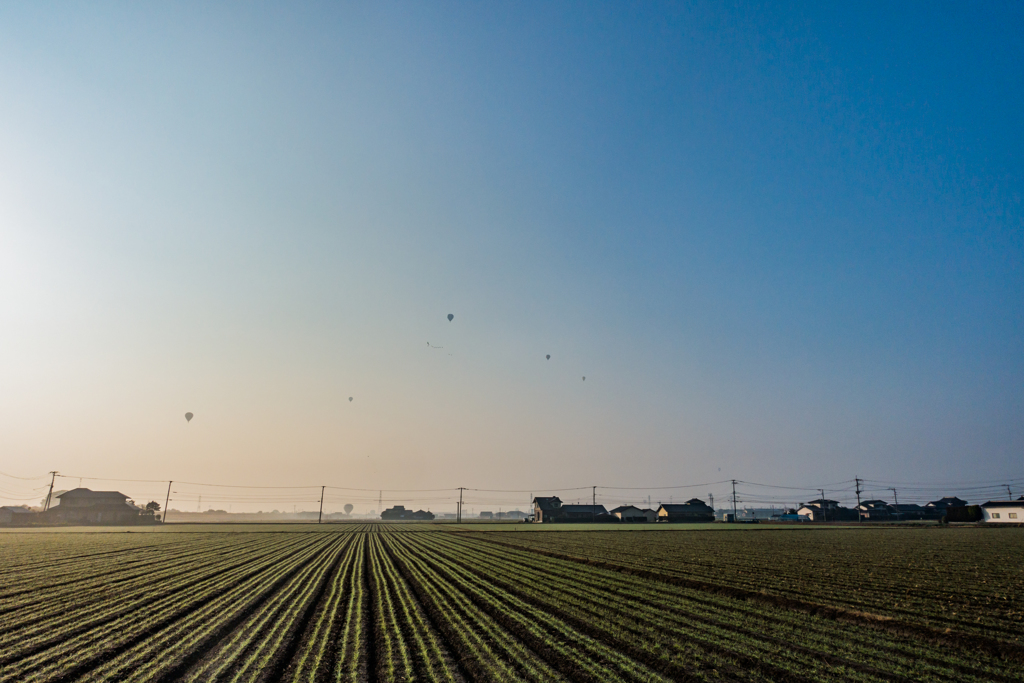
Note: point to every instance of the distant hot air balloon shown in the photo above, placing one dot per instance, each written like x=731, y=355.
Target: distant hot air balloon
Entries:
x=188, y=417
x=549, y=356
x=349, y=399
x=584, y=379
x=450, y=316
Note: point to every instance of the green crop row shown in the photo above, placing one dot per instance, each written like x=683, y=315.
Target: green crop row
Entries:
x=782, y=636
x=965, y=579
x=399, y=603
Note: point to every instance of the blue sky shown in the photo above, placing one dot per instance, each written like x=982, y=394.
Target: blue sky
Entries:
x=783, y=243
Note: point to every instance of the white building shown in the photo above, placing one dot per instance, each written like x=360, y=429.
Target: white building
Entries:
x=629, y=513
x=1004, y=511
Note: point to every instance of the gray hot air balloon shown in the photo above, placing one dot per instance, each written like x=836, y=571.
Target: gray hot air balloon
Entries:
x=188, y=417
x=549, y=356
x=584, y=379
x=450, y=316
x=349, y=399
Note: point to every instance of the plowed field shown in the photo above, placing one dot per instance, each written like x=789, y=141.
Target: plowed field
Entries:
x=387, y=602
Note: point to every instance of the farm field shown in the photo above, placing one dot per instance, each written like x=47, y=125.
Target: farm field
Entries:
x=425, y=602
x=968, y=579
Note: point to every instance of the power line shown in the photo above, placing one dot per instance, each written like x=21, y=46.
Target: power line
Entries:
x=41, y=476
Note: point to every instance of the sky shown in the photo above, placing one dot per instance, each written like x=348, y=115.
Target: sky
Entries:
x=783, y=243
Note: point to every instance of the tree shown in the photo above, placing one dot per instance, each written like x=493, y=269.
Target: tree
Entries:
x=153, y=506
x=348, y=508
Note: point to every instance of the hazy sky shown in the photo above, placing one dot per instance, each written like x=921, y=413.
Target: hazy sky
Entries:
x=783, y=244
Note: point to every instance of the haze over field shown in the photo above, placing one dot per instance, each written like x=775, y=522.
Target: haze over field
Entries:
x=781, y=245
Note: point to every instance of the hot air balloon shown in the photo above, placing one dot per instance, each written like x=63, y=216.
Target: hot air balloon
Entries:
x=188, y=417
x=584, y=379
x=450, y=316
x=349, y=399
x=549, y=356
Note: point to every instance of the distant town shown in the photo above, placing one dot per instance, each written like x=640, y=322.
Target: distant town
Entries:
x=82, y=506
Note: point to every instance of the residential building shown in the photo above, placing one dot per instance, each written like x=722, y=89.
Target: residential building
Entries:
x=874, y=510
x=693, y=510
x=1004, y=511
x=628, y=513
x=903, y=512
x=825, y=510
x=84, y=506
x=948, y=502
x=11, y=515
x=396, y=512
x=583, y=513
x=545, y=508
x=550, y=509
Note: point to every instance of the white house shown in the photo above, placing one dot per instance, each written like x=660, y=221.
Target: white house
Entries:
x=1004, y=511
x=629, y=513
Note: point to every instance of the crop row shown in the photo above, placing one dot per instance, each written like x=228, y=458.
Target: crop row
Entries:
x=965, y=579
x=735, y=629
x=169, y=616
x=402, y=603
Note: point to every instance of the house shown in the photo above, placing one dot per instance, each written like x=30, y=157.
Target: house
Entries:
x=397, y=512
x=583, y=513
x=1004, y=511
x=84, y=506
x=550, y=509
x=650, y=515
x=874, y=510
x=820, y=510
x=825, y=510
x=948, y=502
x=545, y=509
x=629, y=513
x=486, y=515
x=906, y=511
x=400, y=513
x=17, y=516
x=693, y=510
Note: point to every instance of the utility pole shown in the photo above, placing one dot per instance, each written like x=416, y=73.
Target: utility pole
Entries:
x=1009, y=496
x=460, y=505
x=897, y=500
x=167, y=501
x=857, y=480
x=711, y=496
x=321, y=504
x=593, y=504
x=53, y=476
x=734, y=500
x=824, y=515
x=380, y=503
